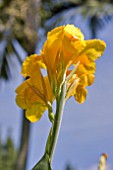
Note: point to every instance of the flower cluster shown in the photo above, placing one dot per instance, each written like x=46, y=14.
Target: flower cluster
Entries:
x=67, y=57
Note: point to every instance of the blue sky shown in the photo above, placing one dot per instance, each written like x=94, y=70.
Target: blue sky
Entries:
x=87, y=129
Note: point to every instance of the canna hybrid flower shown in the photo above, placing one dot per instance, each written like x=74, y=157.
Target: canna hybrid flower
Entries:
x=70, y=64
x=65, y=47
x=35, y=93
x=67, y=57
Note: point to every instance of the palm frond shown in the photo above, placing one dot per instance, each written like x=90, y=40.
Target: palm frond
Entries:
x=4, y=67
x=98, y=12
x=19, y=20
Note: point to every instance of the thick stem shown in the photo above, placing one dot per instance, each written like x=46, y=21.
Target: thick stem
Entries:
x=57, y=121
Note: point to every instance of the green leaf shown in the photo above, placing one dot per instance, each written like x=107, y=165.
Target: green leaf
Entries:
x=43, y=164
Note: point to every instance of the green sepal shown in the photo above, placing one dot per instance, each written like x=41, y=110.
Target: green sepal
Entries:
x=51, y=117
x=43, y=164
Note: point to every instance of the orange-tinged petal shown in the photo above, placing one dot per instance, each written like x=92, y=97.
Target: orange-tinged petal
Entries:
x=81, y=94
x=60, y=46
x=86, y=67
x=70, y=51
x=86, y=79
x=35, y=112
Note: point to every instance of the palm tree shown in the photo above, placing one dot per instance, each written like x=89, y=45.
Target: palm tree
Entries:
x=19, y=21
x=98, y=13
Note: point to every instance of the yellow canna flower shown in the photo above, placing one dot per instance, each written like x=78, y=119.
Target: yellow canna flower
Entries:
x=34, y=93
x=65, y=46
x=59, y=51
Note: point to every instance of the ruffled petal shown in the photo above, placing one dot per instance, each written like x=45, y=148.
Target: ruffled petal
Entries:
x=86, y=66
x=73, y=32
x=81, y=94
x=28, y=64
x=94, y=49
x=86, y=79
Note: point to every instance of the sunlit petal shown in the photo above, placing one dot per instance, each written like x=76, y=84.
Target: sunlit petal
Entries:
x=81, y=94
x=35, y=112
x=73, y=32
x=34, y=93
x=28, y=64
x=94, y=49
x=86, y=79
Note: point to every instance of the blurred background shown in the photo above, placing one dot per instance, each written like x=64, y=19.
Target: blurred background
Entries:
x=87, y=129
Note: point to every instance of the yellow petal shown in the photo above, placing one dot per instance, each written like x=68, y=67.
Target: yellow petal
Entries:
x=20, y=101
x=28, y=64
x=70, y=51
x=73, y=32
x=28, y=95
x=20, y=97
x=86, y=79
x=28, y=98
x=94, y=49
x=81, y=94
x=35, y=112
x=50, y=53
x=55, y=35
x=41, y=85
x=33, y=94
x=49, y=94
x=20, y=90
x=52, y=45
x=36, y=79
x=60, y=46
x=85, y=66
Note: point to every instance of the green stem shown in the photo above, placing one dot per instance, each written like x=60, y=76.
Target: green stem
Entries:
x=50, y=113
x=57, y=121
